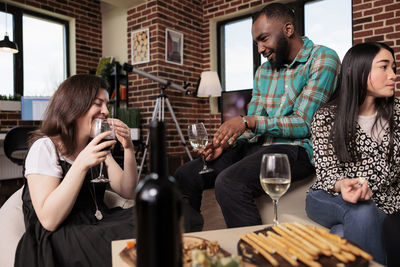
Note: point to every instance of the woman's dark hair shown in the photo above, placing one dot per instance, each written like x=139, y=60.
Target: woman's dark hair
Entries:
x=350, y=93
x=72, y=99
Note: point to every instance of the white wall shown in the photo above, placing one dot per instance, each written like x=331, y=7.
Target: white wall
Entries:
x=114, y=32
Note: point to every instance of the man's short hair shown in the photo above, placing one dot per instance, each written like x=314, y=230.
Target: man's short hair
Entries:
x=276, y=11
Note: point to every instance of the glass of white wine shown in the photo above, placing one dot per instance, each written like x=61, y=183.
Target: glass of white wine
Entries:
x=275, y=178
x=198, y=138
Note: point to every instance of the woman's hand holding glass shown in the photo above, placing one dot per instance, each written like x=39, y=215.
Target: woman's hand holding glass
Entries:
x=100, y=126
x=122, y=133
x=95, y=152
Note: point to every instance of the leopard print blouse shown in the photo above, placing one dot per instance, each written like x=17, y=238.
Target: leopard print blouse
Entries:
x=383, y=177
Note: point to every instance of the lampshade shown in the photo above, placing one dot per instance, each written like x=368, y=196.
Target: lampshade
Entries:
x=7, y=46
x=209, y=84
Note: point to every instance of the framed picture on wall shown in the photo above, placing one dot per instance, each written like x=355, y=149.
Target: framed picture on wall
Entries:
x=140, y=46
x=173, y=47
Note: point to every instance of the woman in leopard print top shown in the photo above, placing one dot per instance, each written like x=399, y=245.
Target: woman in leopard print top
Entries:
x=355, y=138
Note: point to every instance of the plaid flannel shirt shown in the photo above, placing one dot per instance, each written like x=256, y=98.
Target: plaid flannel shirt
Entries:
x=283, y=102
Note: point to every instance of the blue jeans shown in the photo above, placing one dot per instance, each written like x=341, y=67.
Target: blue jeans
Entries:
x=360, y=223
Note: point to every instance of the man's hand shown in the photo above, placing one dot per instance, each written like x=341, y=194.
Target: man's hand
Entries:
x=229, y=130
x=210, y=152
x=352, y=191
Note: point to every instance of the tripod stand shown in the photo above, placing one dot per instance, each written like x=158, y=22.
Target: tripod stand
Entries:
x=158, y=112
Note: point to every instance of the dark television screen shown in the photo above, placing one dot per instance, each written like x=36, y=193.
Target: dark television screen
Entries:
x=234, y=103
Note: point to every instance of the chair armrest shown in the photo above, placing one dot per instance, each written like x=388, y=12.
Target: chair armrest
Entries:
x=112, y=199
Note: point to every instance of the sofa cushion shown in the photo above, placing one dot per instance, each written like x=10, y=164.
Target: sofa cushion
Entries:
x=12, y=228
x=291, y=206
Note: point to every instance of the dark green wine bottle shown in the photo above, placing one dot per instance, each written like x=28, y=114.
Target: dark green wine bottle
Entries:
x=158, y=209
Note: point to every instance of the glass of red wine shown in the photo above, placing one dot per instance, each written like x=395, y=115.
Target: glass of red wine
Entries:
x=100, y=126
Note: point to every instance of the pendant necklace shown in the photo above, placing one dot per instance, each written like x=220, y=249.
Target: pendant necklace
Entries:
x=97, y=214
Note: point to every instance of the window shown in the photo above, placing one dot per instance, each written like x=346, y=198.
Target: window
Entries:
x=238, y=58
x=42, y=62
x=321, y=18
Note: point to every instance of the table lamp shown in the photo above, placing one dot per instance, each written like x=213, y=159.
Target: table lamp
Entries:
x=210, y=86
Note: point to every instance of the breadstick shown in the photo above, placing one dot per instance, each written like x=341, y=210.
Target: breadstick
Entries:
x=348, y=255
x=357, y=251
x=317, y=236
x=306, y=261
x=307, y=246
x=265, y=246
x=266, y=255
x=333, y=237
x=288, y=244
x=340, y=257
x=309, y=238
x=283, y=252
x=299, y=253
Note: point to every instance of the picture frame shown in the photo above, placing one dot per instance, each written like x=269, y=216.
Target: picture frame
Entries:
x=173, y=47
x=102, y=64
x=140, y=46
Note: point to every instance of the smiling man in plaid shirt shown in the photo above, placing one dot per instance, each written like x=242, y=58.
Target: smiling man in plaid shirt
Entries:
x=297, y=79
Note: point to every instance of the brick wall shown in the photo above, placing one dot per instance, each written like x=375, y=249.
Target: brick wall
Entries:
x=184, y=17
x=192, y=19
x=372, y=20
x=378, y=21
x=87, y=16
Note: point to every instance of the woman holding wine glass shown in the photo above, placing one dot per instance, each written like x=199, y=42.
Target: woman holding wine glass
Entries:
x=67, y=222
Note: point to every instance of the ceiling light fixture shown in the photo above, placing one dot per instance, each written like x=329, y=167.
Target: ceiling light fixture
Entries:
x=6, y=45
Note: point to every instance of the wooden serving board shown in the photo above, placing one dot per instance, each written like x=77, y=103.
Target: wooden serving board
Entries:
x=259, y=261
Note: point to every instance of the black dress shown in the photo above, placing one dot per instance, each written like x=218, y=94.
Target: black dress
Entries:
x=81, y=239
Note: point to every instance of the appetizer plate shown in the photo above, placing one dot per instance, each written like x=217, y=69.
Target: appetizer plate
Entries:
x=128, y=254
x=253, y=258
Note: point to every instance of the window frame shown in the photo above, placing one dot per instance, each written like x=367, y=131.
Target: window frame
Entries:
x=18, y=65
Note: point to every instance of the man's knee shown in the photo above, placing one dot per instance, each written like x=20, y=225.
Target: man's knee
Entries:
x=220, y=187
x=224, y=189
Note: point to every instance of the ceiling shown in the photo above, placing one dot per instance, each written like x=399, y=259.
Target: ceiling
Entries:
x=124, y=3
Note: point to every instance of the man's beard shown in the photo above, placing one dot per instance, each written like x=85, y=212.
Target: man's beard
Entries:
x=281, y=53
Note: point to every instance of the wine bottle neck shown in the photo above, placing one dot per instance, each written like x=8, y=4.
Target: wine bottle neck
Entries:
x=158, y=159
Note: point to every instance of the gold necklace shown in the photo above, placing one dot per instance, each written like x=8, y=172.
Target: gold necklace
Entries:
x=97, y=214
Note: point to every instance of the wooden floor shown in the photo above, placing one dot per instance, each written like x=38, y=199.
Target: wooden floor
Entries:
x=211, y=211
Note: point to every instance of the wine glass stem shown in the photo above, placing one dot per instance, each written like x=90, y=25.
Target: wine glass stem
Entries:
x=204, y=162
x=275, y=201
x=101, y=169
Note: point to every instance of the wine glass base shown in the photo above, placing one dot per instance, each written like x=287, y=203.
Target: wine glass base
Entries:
x=203, y=171
x=100, y=180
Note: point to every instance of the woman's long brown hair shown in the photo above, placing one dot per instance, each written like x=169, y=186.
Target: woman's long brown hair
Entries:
x=72, y=99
